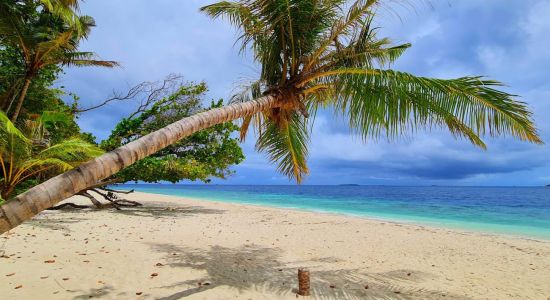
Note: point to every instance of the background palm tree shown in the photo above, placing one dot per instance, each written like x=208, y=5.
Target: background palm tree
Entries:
x=313, y=54
x=45, y=40
x=27, y=154
x=65, y=9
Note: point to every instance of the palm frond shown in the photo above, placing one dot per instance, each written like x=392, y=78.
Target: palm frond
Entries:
x=240, y=15
x=248, y=93
x=51, y=4
x=13, y=142
x=73, y=151
x=12, y=29
x=90, y=63
x=63, y=41
x=68, y=11
x=14, y=145
x=237, y=13
x=83, y=26
x=286, y=145
x=344, y=25
x=8, y=128
x=45, y=163
x=388, y=101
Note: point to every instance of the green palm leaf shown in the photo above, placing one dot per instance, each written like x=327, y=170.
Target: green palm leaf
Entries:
x=73, y=151
x=13, y=142
x=46, y=164
x=286, y=145
x=12, y=29
x=387, y=101
x=7, y=128
x=248, y=93
x=68, y=11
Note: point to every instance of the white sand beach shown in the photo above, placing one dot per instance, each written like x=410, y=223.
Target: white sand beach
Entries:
x=173, y=248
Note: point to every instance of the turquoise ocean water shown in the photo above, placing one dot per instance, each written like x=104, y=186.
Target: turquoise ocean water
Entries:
x=520, y=211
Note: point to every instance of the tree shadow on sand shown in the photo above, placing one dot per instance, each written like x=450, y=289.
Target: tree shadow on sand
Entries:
x=61, y=219
x=102, y=292
x=55, y=222
x=167, y=211
x=261, y=269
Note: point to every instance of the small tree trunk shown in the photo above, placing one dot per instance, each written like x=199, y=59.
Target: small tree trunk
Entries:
x=47, y=194
x=21, y=98
x=9, y=97
x=6, y=192
x=303, y=282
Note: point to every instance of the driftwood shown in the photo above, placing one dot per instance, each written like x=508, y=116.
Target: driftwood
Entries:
x=107, y=194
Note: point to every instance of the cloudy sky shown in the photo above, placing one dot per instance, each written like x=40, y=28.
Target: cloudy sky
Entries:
x=504, y=40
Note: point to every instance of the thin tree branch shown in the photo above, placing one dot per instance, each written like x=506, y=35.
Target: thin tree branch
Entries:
x=147, y=93
x=131, y=94
x=116, y=191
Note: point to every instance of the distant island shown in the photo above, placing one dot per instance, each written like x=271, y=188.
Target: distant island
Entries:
x=349, y=184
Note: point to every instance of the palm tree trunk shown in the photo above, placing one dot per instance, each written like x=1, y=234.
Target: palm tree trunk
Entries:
x=21, y=98
x=9, y=97
x=47, y=194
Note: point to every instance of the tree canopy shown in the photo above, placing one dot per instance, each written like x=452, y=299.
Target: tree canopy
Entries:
x=201, y=156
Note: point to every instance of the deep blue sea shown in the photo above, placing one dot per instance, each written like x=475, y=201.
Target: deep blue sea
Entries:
x=523, y=211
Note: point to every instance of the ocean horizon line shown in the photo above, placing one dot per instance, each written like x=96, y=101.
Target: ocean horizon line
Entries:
x=342, y=184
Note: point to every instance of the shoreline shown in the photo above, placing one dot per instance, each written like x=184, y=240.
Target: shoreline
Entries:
x=436, y=225
x=175, y=247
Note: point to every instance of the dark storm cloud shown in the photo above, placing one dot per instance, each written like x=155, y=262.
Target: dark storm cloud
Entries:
x=435, y=168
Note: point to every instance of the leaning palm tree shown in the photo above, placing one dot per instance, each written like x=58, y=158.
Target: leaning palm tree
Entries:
x=27, y=154
x=42, y=41
x=312, y=54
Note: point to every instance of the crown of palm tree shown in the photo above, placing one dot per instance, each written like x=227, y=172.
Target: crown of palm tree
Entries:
x=326, y=53
x=67, y=10
x=46, y=40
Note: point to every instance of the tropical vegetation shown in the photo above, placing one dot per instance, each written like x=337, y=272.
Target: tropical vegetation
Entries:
x=313, y=54
x=201, y=156
x=28, y=156
x=42, y=39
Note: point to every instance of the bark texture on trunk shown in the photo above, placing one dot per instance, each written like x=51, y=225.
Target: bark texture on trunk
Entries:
x=45, y=195
x=21, y=99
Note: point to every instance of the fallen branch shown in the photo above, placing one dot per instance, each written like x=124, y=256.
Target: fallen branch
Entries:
x=71, y=205
x=116, y=191
x=92, y=198
x=114, y=200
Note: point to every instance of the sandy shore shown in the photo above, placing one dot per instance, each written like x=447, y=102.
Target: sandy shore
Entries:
x=176, y=248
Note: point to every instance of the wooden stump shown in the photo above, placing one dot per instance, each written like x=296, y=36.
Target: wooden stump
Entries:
x=303, y=282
